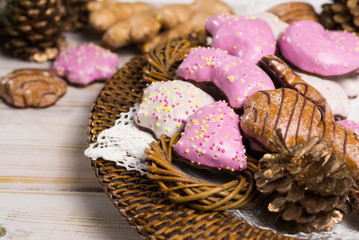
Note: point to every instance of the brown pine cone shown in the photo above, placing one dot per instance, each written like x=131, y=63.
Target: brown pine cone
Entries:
x=76, y=14
x=32, y=29
x=341, y=15
x=307, y=185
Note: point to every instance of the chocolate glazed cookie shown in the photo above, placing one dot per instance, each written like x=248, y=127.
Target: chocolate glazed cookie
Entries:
x=32, y=88
x=301, y=113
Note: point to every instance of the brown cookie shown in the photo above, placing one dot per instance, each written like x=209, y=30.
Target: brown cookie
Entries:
x=32, y=88
x=294, y=11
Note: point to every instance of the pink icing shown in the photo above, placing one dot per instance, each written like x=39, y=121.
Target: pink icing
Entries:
x=346, y=40
x=212, y=138
x=351, y=125
x=235, y=78
x=86, y=63
x=166, y=106
x=309, y=47
x=247, y=38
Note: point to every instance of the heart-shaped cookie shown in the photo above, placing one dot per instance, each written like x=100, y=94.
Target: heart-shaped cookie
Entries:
x=212, y=139
x=166, y=106
x=247, y=38
x=309, y=47
x=237, y=79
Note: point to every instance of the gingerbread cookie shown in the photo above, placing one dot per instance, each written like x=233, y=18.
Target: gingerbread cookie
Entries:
x=211, y=138
x=237, y=79
x=32, y=88
x=300, y=114
x=294, y=11
x=86, y=63
x=166, y=106
x=249, y=39
x=310, y=48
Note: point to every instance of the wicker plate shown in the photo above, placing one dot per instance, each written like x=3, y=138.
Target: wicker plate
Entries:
x=139, y=199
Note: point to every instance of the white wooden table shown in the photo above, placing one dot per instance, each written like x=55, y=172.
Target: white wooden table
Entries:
x=47, y=187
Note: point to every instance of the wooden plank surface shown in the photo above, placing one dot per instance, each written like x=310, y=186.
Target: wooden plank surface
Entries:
x=61, y=215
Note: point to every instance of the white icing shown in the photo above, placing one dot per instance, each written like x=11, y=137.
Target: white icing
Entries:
x=350, y=85
x=166, y=106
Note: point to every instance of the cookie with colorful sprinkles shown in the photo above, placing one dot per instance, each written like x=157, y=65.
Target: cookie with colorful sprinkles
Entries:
x=237, y=79
x=86, y=63
x=166, y=106
x=212, y=139
x=247, y=38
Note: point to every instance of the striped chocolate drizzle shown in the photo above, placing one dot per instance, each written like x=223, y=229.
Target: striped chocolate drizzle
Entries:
x=299, y=120
x=311, y=122
x=280, y=108
x=291, y=115
x=334, y=134
x=264, y=124
x=23, y=84
x=345, y=142
x=268, y=97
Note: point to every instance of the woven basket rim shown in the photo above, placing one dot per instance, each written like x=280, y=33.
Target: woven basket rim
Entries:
x=138, y=199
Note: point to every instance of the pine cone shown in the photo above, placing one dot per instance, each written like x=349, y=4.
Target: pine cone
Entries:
x=32, y=29
x=308, y=185
x=354, y=199
x=76, y=14
x=341, y=15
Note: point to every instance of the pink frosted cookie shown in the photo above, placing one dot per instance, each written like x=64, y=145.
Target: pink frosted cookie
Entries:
x=247, y=38
x=333, y=92
x=166, y=106
x=237, y=79
x=309, y=47
x=351, y=125
x=86, y=63
x=350, y=42
x=212, y=138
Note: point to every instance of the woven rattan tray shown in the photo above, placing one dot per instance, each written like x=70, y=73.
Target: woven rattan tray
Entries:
x=137, y=198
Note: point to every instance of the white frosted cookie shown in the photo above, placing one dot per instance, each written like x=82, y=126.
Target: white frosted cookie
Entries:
x=332, y=91
x=350, y=85
x=166, y=106
x=277, y=25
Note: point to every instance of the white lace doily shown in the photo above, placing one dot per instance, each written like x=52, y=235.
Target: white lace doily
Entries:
x=123, y=143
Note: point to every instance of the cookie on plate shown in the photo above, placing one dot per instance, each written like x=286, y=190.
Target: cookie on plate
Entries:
x=309, y=47
x=247, y=38
x=237, y=79
x=212, y=139
x=166, y=106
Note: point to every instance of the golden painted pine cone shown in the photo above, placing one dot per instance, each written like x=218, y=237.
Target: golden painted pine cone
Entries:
x=341, y=15
x=32, y=29
x=307, y=185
